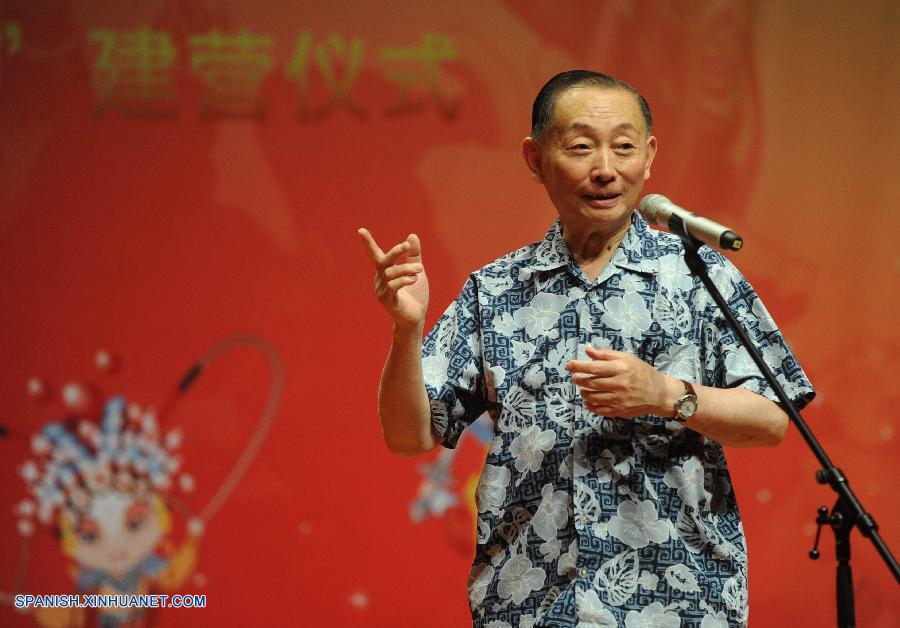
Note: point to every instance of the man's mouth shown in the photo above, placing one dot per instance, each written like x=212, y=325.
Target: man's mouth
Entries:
x=601, y=198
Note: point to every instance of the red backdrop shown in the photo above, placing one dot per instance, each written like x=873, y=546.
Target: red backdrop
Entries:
x=174, y=173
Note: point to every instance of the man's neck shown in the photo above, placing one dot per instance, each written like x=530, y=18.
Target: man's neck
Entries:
x=593, y=248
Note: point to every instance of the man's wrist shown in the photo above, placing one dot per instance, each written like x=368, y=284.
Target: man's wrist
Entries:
x=672, y=392
x=406, y=332
x=687, y=404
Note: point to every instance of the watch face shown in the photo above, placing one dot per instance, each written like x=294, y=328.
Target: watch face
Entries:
x=686, y=406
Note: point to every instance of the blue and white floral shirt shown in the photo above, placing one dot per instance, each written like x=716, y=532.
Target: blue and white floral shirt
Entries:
x=586, y=520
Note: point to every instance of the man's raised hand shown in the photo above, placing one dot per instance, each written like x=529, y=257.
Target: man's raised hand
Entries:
x=400, y=281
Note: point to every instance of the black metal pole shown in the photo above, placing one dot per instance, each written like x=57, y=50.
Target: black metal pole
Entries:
x=848, y=511
x=842, y=524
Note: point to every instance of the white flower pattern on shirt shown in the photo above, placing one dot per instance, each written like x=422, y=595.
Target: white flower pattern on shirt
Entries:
x=591, y=612
x=637, y=525
x=552, y=513
x=719, y=620
x=529, y=447
x=541, y=314
x=628, y=314
x=491, y=491
x=518, y=578
x=588, y=520
x=652, y=616
x=688, y=479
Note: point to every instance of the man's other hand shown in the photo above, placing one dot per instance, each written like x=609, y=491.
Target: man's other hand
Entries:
x=618, y=384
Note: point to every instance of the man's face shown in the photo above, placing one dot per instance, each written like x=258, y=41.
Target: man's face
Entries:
x=595, y=158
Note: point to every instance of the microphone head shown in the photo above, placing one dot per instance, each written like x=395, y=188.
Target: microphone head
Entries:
x=650, y=206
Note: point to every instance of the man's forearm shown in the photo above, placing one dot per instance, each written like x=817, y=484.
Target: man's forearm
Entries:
x=738, y=417
x=402, y=400
x=619, y=384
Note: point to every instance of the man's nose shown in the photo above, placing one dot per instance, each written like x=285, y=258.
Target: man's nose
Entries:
x=603, y=167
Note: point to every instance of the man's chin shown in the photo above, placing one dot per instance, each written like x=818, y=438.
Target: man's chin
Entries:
x=617, y=212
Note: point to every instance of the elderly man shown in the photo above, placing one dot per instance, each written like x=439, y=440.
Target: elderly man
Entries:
x=613, y=384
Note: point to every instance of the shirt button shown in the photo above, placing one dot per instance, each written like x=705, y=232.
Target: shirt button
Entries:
x=583, y=572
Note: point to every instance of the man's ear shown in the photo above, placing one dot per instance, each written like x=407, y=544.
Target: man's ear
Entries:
x=651, y=153
x=531, y=152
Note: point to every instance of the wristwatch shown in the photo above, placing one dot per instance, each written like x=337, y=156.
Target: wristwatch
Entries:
x=687, y=403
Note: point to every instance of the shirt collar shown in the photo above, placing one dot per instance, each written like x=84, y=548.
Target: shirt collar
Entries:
x=552, y=252
x=638, y=251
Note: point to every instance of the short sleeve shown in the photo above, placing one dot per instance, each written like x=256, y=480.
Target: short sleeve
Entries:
x=727, y=363
x=452, y=367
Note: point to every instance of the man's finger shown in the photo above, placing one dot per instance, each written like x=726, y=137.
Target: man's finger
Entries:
x=400, y=250
x=394, y=285
x=595, y=368
x=415, y=248
x=399, y=270
x=597, y=398
x=604, y=354
x=372, y=249
x=597, y=382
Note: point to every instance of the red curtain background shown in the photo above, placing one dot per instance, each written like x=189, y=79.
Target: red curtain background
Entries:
x=173, y=173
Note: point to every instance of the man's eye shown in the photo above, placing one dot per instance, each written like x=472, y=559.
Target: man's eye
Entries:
x=626, y=146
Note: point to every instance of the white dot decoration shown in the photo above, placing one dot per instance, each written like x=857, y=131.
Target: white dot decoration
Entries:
x=103, y=360
x=75, y=396
x=358, y=599
x=26, y=527
x=195, y=526
x=186, y=482
x=37, y=388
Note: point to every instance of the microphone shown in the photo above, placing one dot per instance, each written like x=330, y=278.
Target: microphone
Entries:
x=658, y=210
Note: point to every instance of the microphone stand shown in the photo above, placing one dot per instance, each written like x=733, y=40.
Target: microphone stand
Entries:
x=847, y=511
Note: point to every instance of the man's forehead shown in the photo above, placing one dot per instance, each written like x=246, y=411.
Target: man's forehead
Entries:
x=574, y=108
x=577, y=125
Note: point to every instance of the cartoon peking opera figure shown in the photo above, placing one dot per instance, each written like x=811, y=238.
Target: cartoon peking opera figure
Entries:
x=106, y=490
